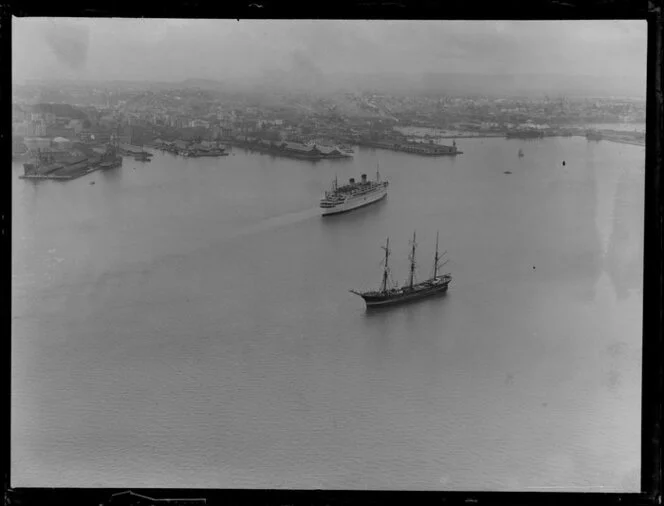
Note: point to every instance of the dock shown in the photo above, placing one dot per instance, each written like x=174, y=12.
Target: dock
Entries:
x=415, y=148
x=49, y=176
x=285, y=149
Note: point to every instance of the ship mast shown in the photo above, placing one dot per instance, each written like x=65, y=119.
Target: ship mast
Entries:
x=386, y=271
x=435, y=260
x=412, y=263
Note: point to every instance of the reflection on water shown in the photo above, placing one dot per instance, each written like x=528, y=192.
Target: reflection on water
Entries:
x=624, y=256
x=410, y=308
x=195, y=315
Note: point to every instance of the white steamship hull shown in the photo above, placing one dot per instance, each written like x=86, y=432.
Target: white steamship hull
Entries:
x=355, y=202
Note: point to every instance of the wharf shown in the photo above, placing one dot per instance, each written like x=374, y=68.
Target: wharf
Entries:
x=75, y=173
x=288, y=154
x=192, y=153
x=622, y=140
x=205, y=154
x=49, y=176
x=414, y=148
x=63, y=177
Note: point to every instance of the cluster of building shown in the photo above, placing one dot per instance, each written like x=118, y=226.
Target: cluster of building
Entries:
x=77, y=161
x=191, y=149
x=194, y=122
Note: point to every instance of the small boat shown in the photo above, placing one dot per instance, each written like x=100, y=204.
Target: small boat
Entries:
x=386, y=295
x=92, y=182
x=520, y=153
x=507, y=172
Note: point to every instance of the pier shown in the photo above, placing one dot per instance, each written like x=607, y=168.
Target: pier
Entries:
x=51, y=176
x=293, y=150
x=414, y=148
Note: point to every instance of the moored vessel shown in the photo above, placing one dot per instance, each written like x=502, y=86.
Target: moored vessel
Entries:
x=389, y=294
x=353, y=195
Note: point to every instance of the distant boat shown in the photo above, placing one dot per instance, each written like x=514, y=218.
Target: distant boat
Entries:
x=384, y=296
x=520, y=153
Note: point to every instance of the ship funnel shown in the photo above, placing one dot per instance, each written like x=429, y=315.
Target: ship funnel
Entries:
x=351, y=180
x=364, y=178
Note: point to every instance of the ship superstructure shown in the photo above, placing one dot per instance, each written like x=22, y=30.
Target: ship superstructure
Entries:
x=353, y=195
x=389, y=294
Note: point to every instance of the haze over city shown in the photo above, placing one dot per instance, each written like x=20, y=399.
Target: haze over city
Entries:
x=605, y=57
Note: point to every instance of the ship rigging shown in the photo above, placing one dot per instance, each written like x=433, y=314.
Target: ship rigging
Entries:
x=411, y=290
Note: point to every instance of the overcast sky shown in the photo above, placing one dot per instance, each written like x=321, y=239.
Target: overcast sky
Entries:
x=172, y=50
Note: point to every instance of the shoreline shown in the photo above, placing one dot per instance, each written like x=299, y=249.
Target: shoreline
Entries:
x=494, y=136
x=59, y=177
x=285, y=154
x=69, y=177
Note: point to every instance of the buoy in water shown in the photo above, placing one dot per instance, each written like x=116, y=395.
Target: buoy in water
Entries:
x=563, y=163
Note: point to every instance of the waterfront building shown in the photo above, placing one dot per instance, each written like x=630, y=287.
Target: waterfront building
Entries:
x=61, y=143
x=21, y=129
x=181, y=145
x=18, y=147
x=199, y=123
x=18, y=114
x=39, y=128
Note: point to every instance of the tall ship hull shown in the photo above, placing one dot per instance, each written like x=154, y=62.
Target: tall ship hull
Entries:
x=400, y=296
x=342, y=199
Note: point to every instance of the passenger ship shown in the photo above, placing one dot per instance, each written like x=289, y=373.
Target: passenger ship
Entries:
x=353, y=195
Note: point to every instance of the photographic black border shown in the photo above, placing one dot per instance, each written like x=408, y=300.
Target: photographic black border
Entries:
x=653, y=307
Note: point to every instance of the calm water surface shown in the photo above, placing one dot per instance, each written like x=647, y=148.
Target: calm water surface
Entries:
x=187, y=323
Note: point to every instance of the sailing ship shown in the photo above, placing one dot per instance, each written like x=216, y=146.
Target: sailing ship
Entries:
x=353, y=195
x=411, y=290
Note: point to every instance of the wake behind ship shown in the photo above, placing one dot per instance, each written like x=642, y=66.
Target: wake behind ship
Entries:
x=353, y=195
x=411, y=291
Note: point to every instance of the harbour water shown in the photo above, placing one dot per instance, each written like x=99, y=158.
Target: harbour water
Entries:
x=187, y=323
